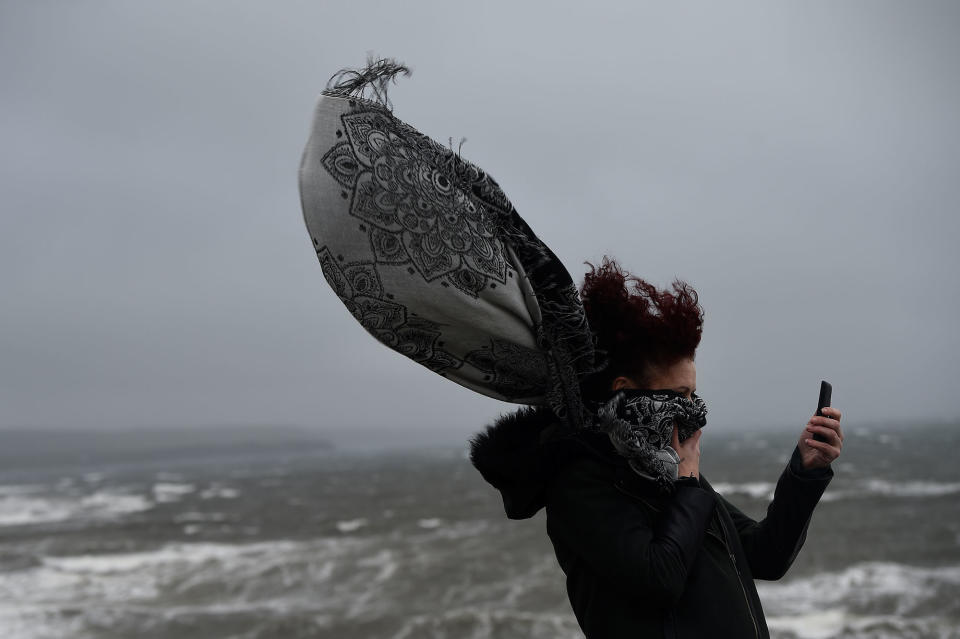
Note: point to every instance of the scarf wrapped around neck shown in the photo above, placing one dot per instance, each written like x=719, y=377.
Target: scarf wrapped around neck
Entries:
x=640, y=426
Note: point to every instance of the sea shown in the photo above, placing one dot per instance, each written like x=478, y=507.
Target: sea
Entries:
x=281, y=533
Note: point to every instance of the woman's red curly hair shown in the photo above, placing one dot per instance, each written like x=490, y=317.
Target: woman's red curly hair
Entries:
x=637, y=327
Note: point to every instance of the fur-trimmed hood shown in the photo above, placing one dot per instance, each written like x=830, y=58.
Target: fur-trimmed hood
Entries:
x=520, y=452
x=509, y=455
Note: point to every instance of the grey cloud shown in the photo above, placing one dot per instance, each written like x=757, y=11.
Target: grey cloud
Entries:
x=795, y=163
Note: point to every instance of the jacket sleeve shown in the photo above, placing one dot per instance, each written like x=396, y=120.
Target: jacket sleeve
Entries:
x=617, y=537
x=773, y=543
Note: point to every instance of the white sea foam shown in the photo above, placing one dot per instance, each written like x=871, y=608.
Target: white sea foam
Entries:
x=458, y=530
x=21, y=489
x=282, y=575
x=912, y=488
x=872, y=597
x=31, y=508
x=34, y=598
x=826, y=625
x=432, y=522
x=107, y=503
x=22, y=505
x=483, y=623
x=876, y=487
x=342, y=578
x=194, y=517
x=351, y=525
x=870, y=487
x=165, y=492
x=754, y=489
x=19, y=511
x=216, y=491
x=383, y=561
x=198, y=553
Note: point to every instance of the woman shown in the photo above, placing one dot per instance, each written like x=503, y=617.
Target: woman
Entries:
x=648, y=547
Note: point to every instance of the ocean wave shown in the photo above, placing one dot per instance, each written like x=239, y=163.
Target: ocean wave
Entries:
x=217, y=491
x=912, y=488
x=197, y=517
x=188, y=579
x=21, y=489
x=344, y=580
x=165, y=492
x=351, y=525
x=29, y=507
x=827, y=625
x=876, y=487
x=171, y=554
x=754, y=489
x=875, y=599
x=107, y=503
x=453, y=530
x=384, y=562
x=480, y=623
x=20, y=511
x=870, y=487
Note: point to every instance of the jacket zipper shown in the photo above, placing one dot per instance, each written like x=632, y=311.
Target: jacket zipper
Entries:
x=726, y=546
x=743, y=589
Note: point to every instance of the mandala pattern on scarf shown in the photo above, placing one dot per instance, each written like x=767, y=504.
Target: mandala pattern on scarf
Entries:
x=415, y=211
x=514, y=371
x=358, y=285
x=492, y=306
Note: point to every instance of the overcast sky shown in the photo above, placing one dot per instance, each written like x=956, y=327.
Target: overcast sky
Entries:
x=798, y=163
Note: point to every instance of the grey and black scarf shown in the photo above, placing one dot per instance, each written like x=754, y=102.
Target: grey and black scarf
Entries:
x=429, y=255
x=640, y=426
x=431, y=258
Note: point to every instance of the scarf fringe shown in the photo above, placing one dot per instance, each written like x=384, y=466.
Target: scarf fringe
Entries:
x=375, y=77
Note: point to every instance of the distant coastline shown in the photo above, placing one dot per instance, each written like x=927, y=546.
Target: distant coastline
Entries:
x=71, y=448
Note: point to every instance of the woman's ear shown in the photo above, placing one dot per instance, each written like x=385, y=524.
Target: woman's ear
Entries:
x=623, y=382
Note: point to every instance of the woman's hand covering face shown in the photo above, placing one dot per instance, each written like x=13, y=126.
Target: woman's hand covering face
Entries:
x=689, y=452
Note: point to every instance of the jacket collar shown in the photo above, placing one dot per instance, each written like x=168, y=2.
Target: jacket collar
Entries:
x=521, y=451
x=508, y=455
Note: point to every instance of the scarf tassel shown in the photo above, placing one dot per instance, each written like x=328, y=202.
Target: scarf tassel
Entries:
x=375, y=77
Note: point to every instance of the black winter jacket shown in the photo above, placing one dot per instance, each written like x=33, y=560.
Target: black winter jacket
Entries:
x=639, y=564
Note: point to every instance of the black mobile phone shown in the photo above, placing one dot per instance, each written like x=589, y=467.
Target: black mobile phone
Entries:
x=826, y=391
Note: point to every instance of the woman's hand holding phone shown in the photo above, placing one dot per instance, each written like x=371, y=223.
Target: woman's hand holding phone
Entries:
x=822, y=438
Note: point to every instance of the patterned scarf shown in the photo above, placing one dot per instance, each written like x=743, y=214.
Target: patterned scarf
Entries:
x=427, y=253
x=640, y=426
